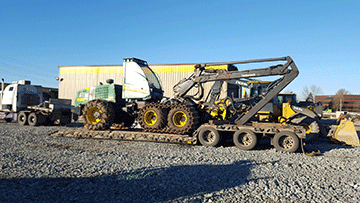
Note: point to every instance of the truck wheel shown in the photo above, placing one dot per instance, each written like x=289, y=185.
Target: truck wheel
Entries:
x=286, y=141
x=33, y=119
x=98, y=115
x=245, y=139
x=8, y=120
x=22, y=118
x=208, y=136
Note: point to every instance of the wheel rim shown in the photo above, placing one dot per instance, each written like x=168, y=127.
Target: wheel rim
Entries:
x=286, y=142
x=32, y=119
x=150, y=117
x=209, y=136
x=22, y=118
x=179, y=119
x=245, y=139
x=94, y=115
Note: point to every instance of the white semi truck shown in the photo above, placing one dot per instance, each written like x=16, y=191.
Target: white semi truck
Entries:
x=24, y=103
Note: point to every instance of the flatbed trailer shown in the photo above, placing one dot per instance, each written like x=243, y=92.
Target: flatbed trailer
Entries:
x=128, y=134
x=246, y=137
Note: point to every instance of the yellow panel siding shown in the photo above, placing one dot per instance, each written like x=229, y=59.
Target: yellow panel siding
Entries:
x=119, y=69
x=84, y=69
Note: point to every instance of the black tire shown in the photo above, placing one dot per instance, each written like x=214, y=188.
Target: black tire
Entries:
x=310, y=124
x=208, y=136
x=75, y=117
x=313, y=126
x=150, y=117
x=286, y=141
x=98, y=115
x=181, y=120
x=33, y=119
x=245, y=139
x=8, y=120
x=23, y=118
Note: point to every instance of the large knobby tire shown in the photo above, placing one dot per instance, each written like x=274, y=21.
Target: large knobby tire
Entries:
x=312, y=126
x=286, y=141
x=23, y=118
x=152, y=117
x=98, y=115
x=245, y=139
x=181, y=120
x=208, y=136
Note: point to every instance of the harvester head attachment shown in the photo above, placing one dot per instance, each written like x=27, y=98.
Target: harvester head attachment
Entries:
x=344, y=132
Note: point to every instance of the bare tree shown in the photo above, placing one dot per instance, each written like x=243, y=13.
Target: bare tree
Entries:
x=342, y=91
x=310, y=92
x=338, y=101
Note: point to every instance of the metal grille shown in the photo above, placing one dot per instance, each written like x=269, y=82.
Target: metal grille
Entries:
x=30, y=99
x=102, y=92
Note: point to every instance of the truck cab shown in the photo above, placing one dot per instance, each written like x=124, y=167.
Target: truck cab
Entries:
x=19, y=95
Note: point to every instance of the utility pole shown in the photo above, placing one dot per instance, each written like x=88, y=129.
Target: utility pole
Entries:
x=340, y=102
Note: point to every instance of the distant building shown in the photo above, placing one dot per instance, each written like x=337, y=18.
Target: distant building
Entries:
x=350, y=103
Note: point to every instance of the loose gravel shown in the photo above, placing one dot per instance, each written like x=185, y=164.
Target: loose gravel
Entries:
x=36, y=167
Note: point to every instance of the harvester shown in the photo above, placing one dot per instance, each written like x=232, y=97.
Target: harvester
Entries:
x=140, y=100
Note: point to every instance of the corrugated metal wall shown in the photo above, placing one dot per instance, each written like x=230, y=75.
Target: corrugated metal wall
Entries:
x=74, y=78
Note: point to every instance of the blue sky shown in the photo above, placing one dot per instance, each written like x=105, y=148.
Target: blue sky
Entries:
x=323, y=37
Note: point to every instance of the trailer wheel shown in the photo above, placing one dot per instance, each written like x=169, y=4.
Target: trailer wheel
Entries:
x=245, y=139
x=286, y=141
x=208, y=136
x=33, y=119
x=22, y=118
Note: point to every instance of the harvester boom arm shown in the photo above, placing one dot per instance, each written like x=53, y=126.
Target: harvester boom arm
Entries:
x=288, y=70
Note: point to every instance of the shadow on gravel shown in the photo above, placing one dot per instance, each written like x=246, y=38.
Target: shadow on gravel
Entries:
x=163, y=184
x=324, y=145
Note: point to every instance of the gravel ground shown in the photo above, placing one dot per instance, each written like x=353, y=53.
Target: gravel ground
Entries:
x=36, y=167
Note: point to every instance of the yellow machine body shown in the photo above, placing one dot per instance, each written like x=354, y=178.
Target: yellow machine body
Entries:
x=219, y=112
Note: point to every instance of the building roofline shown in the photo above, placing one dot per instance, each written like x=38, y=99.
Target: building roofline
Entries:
x=167, y=64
